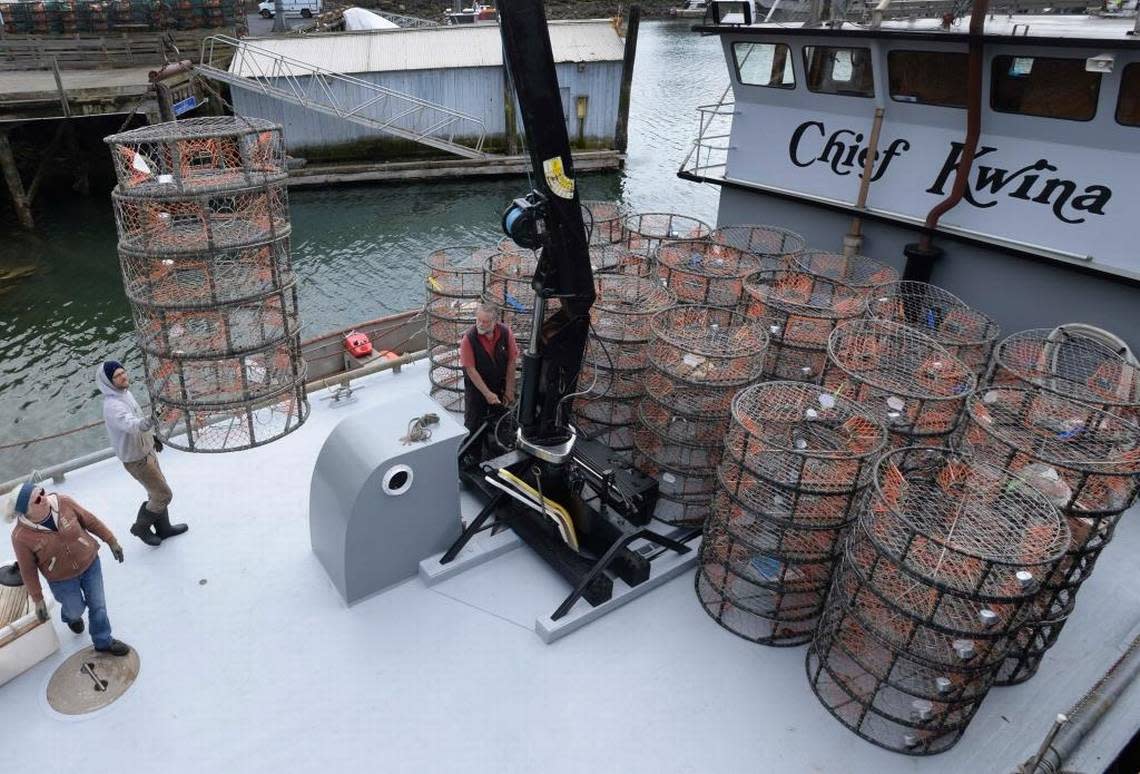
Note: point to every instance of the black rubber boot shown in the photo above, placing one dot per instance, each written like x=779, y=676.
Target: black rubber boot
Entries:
x=164, y=529
x=116, y=648
x=142, y=526
x=76, y=625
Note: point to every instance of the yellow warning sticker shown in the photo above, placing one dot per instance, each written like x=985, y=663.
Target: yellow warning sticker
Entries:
x=556, y=179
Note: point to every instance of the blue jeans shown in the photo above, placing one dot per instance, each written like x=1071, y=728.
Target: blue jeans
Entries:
x=86, y=590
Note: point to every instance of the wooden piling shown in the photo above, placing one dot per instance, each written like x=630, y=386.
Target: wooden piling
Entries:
x=621, y=131
x=20, y=200
x=510, y=129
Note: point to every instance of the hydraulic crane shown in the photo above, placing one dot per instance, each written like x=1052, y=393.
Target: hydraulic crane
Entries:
x=563, y=495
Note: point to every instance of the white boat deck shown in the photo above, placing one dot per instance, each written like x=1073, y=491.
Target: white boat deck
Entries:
x=251, y=662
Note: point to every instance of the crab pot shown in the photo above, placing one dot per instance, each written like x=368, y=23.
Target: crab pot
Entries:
x=1086, y=461
x=854, y=271
x=702, y=272
x=795, y=464
x=448, y=320
x=645, y=231
x=446, y=377
x=617, y=259
x=938, y=575
x=203, y=223
x=775, y=247
x=966, y=333
x=604, y=222
x=456, y=272
x=1069, y=363
x=707, y=346
x=507, y=278
x=907, y=380
x=801, y=310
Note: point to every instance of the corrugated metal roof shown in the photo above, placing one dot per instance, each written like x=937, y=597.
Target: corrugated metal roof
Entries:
x=477, y=45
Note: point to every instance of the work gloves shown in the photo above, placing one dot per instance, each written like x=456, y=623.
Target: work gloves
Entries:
x=117, y=552
x=41, y=610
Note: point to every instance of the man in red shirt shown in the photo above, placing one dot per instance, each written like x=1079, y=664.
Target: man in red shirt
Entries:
x=488, y=353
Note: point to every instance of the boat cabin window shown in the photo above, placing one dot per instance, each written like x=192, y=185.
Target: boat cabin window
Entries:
x=764, y=64
x=1128, y=105
x=928, y=77
x=1044, y=86
x=844, y=71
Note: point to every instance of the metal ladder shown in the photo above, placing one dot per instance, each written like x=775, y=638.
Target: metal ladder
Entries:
x=246, y=66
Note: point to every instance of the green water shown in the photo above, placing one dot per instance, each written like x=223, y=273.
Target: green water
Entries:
x=357, y=252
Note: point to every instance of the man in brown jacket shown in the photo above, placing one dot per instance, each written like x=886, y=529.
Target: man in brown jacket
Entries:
x=53, y=535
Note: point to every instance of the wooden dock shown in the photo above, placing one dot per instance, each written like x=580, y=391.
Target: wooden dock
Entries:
x=314, y=175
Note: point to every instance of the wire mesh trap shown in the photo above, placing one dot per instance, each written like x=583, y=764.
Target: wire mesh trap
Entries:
x=966, y=333
x=702, y=272
x=1087, y=462
x=645, y=231
x=937, y=577
x=800, y=311
x=507, y=278
x=203, y=224
x=1068, y=362
x=795, y=463
x=775, y=247
x=906, y=378
x=604, y=221
x=855, y=271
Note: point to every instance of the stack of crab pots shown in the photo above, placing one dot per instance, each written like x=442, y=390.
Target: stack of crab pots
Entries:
x=604, y=222
x=907, y=379
x=616, y=358
x=507, y=277
x=800, y=311
x=939, y=574
x=454, y=283
x=966, y=333
x=855, y=271
x=775, y=247
x=699, y=357
x=796, y=461
x=646, y=231
x=1084, y=459
x=700, y=271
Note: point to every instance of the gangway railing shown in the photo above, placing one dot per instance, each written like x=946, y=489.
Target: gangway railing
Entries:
x=246, y=66
x=709, y=155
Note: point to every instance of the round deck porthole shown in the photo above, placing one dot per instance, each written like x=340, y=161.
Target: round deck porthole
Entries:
x=397, y=480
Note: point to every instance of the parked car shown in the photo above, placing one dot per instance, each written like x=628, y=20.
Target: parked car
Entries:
x=303, y=8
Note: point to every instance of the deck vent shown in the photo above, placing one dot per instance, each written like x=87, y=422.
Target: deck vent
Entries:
x=699, y=357
x=796, y=462
x=616, y=358
x=1087, y=462
x=902, y=656
x=203, y=222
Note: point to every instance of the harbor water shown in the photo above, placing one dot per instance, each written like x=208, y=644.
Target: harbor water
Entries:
x=357, y=252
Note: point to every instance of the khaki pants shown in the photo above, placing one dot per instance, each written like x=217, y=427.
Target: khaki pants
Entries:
x=147, y=472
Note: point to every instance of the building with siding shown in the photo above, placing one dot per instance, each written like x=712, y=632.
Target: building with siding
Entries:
x=460, y=67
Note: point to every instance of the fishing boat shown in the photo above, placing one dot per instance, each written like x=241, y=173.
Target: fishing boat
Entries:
x=250, y=653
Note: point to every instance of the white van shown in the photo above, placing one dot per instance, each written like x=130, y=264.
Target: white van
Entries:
x=304, y=8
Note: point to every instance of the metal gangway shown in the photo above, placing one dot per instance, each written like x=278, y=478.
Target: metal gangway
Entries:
x=244, y=65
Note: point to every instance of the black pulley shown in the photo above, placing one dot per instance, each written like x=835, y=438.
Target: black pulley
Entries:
x=523, y=221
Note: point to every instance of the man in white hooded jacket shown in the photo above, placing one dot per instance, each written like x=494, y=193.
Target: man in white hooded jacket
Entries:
x=132, y=438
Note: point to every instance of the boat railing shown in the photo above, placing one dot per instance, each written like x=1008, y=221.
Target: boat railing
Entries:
x=264, y=71
x=709, y=155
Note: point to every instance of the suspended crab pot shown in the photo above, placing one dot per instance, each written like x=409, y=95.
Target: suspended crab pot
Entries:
x=604, y=222
x=939, y=574
x=796, y=461
x=203, y=222
x=966, y=333
x=1087, y=462
x=702, y=272
x=1070, y=363
x=699, y=357
x=904, y=377
x=800, y=311
x=855, y=271
x=645, y=231
x=775, y=247
x=615, y=362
